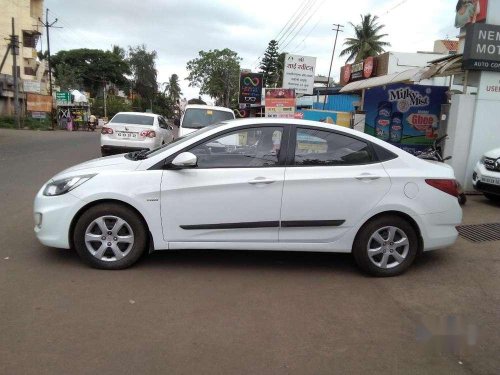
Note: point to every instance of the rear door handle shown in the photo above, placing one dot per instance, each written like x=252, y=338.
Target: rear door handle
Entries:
x=367, y=177
x=261, y=180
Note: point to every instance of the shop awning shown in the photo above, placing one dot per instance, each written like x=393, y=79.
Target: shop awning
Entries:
x=444, y=67
x=411, y=75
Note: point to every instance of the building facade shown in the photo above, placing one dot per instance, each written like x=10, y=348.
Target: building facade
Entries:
x=32, y=73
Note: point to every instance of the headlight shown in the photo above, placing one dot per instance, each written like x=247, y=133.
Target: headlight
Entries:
x=60, y=187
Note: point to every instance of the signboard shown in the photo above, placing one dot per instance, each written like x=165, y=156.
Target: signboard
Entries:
x=299, y=73
x=280, y=103
x=39, y=115
x=482, y=47
x=32, y=86
x=470, y=11
x=38, y=103
x=362, y=70
x=404, y=115
x=63, y=97
x=250, y=88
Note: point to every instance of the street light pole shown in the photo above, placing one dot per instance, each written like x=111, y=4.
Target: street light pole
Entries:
x=14, y=49
x=337, y=30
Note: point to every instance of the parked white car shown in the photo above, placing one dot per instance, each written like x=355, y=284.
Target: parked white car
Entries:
x=134, y=131
x=198, y=116
x=486, y=176
x=255, y=184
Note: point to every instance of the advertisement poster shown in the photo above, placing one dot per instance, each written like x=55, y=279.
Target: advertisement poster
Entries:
x=280, y=103
x=38, y=103
x=404, y=115
x=329, y=117
x=470, y=11
x=250, y=88
x=32, y=86
x=299, y=73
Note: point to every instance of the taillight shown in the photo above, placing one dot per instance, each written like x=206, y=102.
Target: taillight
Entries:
x=106, y=130
x=148, y=133
x=446, y=185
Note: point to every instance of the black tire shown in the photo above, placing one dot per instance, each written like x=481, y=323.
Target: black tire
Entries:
x=361, y=243
x=492, y=197
x=133, y=252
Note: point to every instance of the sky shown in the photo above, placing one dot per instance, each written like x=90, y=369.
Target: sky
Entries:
x=179, y=29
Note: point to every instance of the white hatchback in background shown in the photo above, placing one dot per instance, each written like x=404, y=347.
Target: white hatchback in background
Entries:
x=255, y=184
x=197, y=116
x=486, y=176
x=134, y=131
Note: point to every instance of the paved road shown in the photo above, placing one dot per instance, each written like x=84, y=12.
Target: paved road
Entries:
x=231, y=312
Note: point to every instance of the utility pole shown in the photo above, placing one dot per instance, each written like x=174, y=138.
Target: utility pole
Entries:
x=47, y=26
x=105, y=105
x=14, y=49
x=337, y=29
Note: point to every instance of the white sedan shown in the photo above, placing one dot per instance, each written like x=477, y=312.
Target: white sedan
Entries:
x=255, y=184
x=132, y=131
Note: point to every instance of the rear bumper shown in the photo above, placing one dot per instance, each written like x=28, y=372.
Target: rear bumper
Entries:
x=439, y=229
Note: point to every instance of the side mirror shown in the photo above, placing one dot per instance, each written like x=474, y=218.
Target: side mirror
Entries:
x=185, y=160
x=177, y=122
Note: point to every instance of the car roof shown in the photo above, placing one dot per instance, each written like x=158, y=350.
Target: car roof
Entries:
x=212, y=107
x=138, y=113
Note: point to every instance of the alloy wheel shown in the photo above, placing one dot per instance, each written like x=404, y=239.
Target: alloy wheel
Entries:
x=109, y=238
x=388, y=247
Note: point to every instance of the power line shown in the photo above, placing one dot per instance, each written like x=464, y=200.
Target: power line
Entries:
x=309, y=5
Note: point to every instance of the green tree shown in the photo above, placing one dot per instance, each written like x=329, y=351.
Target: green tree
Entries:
x=93, y=66
x=367, y=41
x=269, y=65
x=68, y=77
x=143, y=67
x=216, y=73
x=281, y=69
x=172, y=88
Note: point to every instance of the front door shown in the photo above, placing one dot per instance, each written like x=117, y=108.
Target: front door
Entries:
x=234, y=193
x=332, y=181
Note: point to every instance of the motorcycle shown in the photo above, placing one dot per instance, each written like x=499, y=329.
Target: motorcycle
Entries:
x=434, y=153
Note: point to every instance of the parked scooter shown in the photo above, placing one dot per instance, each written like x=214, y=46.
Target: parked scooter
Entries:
x=434, y=152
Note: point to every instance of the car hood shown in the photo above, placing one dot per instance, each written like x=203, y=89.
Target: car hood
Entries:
x=115, y=163
x=494, y=154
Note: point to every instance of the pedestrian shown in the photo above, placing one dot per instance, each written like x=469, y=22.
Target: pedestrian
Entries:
x=69, y=124
x=92, y=122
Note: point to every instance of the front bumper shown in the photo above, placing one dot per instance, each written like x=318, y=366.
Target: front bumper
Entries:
x=481, y=171
x=53, y=216
x=111, y=150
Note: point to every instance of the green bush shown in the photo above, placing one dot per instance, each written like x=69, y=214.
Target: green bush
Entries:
x=9, y=122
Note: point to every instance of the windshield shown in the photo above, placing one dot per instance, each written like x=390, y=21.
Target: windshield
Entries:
x=124, y=118
x=181, y=140
x=197, y=118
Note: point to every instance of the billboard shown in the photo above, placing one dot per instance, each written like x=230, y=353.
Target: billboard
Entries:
x=470, y=11
x=280, y=103
x=404, y=115
x=250, y=88
x=32, y=86
x=299, y=73
x=482, y=47
x=38, y=103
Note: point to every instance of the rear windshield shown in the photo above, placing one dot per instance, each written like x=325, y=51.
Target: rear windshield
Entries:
x=197, y=118
x=124, y=118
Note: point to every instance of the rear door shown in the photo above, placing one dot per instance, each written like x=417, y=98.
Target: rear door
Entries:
x=331, y=181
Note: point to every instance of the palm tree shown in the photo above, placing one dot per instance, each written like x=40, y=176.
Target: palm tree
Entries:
x=367, y=41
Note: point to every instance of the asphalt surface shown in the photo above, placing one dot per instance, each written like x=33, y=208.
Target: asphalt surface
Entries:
x=218, y=312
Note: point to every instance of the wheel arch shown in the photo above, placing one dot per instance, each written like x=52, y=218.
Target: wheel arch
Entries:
x=403, y=216
x=103, y=201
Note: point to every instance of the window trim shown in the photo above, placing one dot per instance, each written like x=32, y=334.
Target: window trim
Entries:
x=283, y=150
x=293, y=145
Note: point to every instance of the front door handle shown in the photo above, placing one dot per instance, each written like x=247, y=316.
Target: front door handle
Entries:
x=367, y=177
x=261, y=180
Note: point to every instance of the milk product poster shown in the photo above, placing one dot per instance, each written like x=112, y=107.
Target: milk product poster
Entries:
x=404, y=115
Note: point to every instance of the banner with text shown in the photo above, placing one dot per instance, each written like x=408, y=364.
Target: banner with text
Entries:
x=299, y=73
x=280, y=103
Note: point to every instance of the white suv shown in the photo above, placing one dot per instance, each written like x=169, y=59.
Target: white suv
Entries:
x=134, y=131
x=486, y=176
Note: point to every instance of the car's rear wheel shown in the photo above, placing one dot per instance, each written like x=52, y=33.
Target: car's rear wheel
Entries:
x=493, y=197
x=386, y=246
x=110, y=236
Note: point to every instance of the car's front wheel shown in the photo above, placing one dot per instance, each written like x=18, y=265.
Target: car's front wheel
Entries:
x=110, y=236
x=386, y=246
